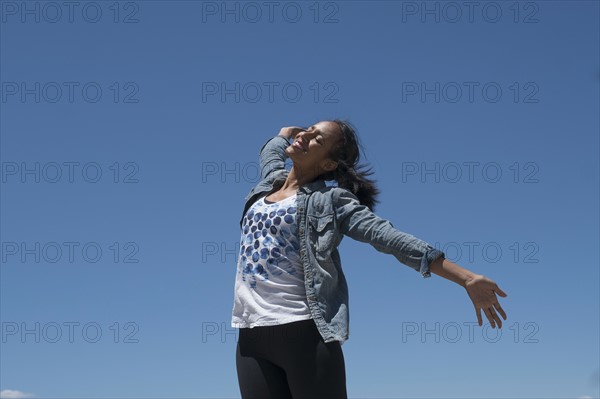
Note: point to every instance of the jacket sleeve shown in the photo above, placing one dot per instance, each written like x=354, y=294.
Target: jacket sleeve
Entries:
x=272, y=156
x=358, y=222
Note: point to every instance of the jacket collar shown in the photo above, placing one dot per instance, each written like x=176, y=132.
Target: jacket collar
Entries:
x=315, y=185
x=307, y=188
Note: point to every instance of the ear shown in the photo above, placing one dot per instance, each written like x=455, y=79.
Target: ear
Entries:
x=330, y=165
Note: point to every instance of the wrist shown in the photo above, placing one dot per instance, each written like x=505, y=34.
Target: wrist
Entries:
x=453, y=272
x=470, y=277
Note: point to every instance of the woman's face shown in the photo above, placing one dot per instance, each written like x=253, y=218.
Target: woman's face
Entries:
x=311, y=148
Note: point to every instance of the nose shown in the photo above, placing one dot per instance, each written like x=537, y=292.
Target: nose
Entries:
x=304, y=133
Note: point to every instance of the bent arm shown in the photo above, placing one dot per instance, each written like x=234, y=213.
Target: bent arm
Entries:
x=358, y=222
x=272, y=155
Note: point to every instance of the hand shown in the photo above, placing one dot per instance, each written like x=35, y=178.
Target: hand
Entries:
x=291, y=131
x=482, y=292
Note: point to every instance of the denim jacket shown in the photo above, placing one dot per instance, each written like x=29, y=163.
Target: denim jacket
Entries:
x=324, y=215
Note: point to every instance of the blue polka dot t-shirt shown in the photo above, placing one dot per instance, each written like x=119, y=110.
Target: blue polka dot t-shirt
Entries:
x=269, y=285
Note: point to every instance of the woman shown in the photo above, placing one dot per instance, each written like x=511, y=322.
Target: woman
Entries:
x=291, y=296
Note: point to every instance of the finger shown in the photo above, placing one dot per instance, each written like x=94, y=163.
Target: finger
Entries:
x=496, y=318
x=499, y=309
x=478, y=313
x=488, y=313
x=499, y=291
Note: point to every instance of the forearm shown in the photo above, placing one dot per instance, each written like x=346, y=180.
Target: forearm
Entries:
x=272, y=156
x=290, y=132
x=451, y=271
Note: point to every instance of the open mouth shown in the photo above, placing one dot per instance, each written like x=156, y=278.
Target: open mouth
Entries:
x=298, y=144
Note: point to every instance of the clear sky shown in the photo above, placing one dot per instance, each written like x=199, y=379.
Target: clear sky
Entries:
x=130, y=134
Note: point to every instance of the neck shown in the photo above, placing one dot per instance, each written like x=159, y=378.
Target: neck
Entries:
x=296, y=178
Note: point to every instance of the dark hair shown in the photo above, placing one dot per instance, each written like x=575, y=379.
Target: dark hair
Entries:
x=349, y=174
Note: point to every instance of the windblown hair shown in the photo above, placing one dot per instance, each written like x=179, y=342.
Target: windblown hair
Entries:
x=349, y=173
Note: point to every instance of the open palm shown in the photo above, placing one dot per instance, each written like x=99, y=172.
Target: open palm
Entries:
x=482, y=292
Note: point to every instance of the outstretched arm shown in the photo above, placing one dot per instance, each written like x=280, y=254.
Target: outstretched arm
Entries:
x=360, y=223
x=480, y=289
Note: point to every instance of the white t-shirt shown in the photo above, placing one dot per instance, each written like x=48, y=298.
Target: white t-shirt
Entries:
x=269, y=283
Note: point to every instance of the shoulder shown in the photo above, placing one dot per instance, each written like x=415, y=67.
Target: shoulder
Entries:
x=342, y=196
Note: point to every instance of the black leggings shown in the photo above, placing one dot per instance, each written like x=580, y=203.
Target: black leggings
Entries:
x=289, y=361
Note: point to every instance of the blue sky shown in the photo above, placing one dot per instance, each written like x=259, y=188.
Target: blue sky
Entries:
x=130, y=134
